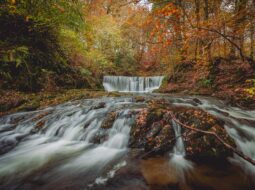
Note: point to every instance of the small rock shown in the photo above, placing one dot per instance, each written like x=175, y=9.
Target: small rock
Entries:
x=100, y=105
x=139, y=99
x=196, y=100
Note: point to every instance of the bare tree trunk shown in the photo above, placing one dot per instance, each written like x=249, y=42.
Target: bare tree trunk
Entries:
x=252, y=31
x=238, y=30
x=206, y=9
x=197, y=12
x=179, y=33
x=224, y=40
x=207, y=42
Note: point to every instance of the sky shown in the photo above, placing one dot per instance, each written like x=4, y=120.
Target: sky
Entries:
x=146, y=3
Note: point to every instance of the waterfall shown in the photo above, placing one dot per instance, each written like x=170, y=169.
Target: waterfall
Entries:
x=177, y=157
x=68, y=146
x=179, y=148
x=132, y=84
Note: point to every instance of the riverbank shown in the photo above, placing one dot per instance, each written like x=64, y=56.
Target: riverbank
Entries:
x=16, y=101
x=228, y=79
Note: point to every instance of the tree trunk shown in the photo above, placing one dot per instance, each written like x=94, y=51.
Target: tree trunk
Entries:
x=179, y=33
x=238, y=29
x=206, y=9
x=207, y=44
x=252, y=30
x=252, y=40
x=197, y=12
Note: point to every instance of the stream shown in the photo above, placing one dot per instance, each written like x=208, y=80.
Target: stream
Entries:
x=64, y=147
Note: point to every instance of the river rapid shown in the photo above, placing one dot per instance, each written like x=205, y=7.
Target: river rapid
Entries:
x=65, y=147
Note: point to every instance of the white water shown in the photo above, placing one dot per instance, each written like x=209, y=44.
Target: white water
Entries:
x=177, y=157
x=132, y=84
x=65, y=143
x=63, y=149
x=238, y=123
x=179, y=146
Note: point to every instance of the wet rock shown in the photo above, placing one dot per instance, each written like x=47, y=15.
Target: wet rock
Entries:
x=109, y=120
x=18, y=119
x=154, y=133
x=39, y=126
x=30, y=107
x=200, y=144
x=165, y=140
x=196, y=100
x=40, y=116
x=139, y=99
x=100, y=137
x=126, y=178
x=7, y=127
x=7, y=144
x=156, y=128
x=155, y=115
x=100, y=105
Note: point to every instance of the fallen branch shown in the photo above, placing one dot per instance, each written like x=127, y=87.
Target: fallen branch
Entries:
x=228, y=146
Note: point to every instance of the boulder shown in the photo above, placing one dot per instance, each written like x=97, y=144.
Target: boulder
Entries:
x=153, y=131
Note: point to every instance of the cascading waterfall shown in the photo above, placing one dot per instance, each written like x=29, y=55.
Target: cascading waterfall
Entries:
x=132, y=84
x=177, y=157
x=65, y=134
x=239, y=125
x=179, y=148
x=66, y=147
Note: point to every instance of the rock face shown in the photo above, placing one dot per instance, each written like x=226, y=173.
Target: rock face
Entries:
x=153, y=131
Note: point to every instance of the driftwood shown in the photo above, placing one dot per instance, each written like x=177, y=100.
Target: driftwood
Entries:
x=228, y=146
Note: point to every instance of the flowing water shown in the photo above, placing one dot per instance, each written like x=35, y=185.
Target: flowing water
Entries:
x=64, y=147
x=132, y=84
x=178, y=161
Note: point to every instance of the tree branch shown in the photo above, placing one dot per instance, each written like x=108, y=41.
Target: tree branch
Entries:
x=214, y=31
x=228, y=146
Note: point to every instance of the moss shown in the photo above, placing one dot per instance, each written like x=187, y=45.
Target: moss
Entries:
x=20, y=101
x=31, y=106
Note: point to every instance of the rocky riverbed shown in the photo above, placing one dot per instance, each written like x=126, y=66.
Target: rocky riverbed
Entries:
x=134, y=141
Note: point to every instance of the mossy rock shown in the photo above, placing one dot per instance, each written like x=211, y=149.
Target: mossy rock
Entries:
x=154, y=133
x=139, y=99
x=29, y=107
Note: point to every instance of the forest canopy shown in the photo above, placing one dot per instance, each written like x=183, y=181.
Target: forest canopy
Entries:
x=75, y=43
